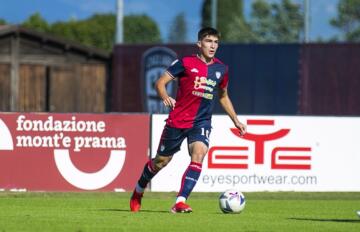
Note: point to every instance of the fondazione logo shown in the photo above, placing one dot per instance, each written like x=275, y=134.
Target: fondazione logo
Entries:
x=61, y=136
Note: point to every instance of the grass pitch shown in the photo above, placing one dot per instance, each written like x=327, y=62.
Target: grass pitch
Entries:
x=110, y=212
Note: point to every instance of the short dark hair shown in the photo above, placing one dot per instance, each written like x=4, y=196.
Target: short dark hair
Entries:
x=208, y=31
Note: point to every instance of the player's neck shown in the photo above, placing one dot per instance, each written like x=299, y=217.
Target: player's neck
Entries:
x=205, y=59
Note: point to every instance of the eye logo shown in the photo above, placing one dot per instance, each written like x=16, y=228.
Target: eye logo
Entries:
x=282, y=157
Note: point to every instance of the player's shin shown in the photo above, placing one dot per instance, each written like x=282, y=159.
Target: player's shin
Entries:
x=189, y=181
x=148, y=173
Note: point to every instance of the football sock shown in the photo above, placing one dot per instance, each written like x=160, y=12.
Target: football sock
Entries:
x=180, y=199
x=189, y=179
x=147, y=174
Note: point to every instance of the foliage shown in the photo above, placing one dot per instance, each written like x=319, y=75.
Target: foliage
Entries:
x=227, y=11
x=348, y=19
x=99, y=29
x=141, y=29
x=277, y=22
x=270, y=22
x=3, y=21
x=36, y=22
x=178, y=29
x=241, y=32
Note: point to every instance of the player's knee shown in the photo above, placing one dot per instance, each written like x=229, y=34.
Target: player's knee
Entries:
x=158, y=166
x=160, y=163
x=197, y=157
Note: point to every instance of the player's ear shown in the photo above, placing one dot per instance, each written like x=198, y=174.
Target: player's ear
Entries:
x=198, y=44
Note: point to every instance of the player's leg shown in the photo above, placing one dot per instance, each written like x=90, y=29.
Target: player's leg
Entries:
x=198, y=147
x=170, y=142
x=151, y=168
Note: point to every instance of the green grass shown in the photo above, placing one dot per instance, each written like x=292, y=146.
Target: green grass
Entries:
x=109, y=212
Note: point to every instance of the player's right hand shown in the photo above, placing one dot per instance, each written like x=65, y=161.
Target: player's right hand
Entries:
x=169, y=102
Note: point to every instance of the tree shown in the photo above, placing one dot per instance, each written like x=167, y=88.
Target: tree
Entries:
x=277, y=22
x=270, y=22
x=240, y=31
x=262, y=21
x=36, y=22
x=227, y=12
x=66, y=30
x=178, y=29
x=3, y=22
x=141, y=29
x=99, y=29
x=348, y=19
x=288, y=21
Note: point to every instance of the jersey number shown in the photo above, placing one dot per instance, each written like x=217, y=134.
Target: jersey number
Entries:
x=205, y=132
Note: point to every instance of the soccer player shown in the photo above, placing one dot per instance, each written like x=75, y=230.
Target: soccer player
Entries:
x=201, y=77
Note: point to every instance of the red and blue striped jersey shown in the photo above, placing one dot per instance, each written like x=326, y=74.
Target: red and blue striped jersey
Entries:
x=198, y=85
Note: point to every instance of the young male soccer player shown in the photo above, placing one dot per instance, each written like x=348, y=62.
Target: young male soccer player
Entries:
x=201, y=77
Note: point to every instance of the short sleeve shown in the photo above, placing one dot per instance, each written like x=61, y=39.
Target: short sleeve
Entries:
x=225, y=80
x=176, y=69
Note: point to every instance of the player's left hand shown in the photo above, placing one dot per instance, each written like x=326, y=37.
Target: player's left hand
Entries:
x=241, y=127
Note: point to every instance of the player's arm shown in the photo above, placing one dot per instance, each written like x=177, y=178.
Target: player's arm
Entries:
x=160, y=87
x=227, y=105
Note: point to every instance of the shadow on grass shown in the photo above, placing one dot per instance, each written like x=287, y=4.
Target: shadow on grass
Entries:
x=141, y=211
x=326, y=220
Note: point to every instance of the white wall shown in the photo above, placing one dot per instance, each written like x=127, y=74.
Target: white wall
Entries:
x=314, y=154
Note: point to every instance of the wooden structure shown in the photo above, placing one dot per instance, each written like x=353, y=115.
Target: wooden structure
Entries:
x=43, y=73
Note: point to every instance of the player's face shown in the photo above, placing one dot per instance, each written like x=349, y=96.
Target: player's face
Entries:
x=208, y=46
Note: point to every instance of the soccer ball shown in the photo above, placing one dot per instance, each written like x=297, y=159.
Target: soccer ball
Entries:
x=232, y=201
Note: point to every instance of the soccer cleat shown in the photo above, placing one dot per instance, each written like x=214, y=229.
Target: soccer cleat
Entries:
x=135, y=201
x=181, y=207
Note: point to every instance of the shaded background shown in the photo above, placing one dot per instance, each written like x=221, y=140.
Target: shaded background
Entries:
x=286, y=57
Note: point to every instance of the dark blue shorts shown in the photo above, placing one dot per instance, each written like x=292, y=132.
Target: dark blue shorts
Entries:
x=172, y=138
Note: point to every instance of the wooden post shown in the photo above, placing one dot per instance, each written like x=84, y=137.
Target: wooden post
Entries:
x=14, y=59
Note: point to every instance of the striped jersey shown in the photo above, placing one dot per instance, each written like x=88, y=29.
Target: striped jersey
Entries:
x=198, y=85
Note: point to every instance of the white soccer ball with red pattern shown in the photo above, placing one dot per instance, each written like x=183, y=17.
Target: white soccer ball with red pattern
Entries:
x=232, y=201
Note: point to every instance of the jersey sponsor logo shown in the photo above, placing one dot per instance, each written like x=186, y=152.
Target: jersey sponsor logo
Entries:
x=203, y=95
x=194, y=70
x=204, y=83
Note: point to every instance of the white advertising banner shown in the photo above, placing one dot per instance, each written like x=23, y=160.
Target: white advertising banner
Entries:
x=279, y=153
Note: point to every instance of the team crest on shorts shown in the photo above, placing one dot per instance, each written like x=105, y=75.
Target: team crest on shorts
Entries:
x=162, y=147
x=218, y=75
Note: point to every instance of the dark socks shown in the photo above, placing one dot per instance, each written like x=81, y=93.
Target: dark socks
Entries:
x=147, y=174
x=189, y=179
